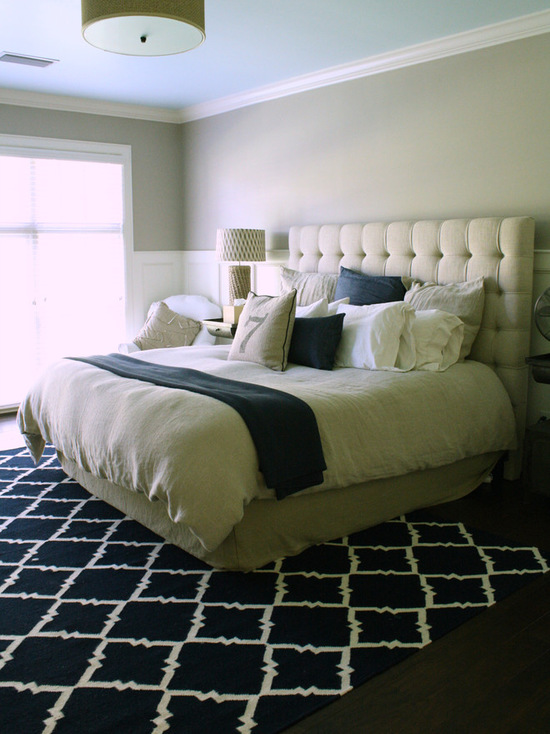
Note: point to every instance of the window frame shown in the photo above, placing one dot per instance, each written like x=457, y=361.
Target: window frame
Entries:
x=59, y=148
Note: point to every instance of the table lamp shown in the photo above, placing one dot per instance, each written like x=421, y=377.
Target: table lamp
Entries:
x=240, y=245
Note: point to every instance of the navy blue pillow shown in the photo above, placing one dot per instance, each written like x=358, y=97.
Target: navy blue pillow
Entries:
x=315, y=341
x=364, y=290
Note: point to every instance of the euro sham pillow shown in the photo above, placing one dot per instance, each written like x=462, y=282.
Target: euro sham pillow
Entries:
x=315, y=340
x=465, y=300
x=377, y=337
x=309, y=287
x=265, y=330
x=165, y=328
x=366, y=290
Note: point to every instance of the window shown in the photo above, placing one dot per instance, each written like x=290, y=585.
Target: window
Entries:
x=63, y=257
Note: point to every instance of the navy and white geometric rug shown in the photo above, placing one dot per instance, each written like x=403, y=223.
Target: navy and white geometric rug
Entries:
x=105, y=628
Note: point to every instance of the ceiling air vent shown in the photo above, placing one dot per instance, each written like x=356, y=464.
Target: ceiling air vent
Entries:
x=26, y=60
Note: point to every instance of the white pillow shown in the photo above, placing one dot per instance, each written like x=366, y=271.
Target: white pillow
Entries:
x=377, y=337
x=438, y=337
x=319, y=309
x=333, y=307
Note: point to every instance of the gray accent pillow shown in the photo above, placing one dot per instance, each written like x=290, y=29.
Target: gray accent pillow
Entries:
x=465, y=300
x=265, y=329
x=309, y=287
x=166, y=328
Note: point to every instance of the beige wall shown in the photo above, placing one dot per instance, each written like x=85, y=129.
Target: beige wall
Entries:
x=463, y=136
x=156, y=164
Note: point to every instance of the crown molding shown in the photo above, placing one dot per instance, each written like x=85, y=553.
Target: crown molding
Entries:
x=479, y=38
x=88, y=106
x=474, y=40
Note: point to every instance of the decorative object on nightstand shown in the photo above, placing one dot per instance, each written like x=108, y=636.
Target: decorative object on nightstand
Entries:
x=542, y=313
x=541, y=364
x=240, y=245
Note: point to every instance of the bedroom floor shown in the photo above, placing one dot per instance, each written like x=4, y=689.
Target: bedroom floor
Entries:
x=492, y=674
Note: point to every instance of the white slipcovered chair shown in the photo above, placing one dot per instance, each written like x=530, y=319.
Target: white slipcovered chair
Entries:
x=192, y=307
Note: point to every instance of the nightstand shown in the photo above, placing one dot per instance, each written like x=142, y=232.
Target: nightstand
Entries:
x=540, y=367
x=536, y=458
x=219, y=327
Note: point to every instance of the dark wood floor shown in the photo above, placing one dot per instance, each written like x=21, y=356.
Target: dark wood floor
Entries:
x=492, y=674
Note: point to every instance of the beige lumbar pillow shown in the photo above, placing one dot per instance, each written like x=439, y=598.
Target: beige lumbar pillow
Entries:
x=265, y=330
x=166, y=328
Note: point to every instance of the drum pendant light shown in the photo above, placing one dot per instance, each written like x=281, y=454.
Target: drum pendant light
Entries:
x=143, y=27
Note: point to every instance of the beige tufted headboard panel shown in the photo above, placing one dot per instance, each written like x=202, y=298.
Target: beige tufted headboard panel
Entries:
x=446, y=251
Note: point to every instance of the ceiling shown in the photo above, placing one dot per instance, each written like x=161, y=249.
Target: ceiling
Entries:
x=252, y=47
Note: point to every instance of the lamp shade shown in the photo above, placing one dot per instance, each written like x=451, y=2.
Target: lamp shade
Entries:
x=143, y=27
x=240, y=245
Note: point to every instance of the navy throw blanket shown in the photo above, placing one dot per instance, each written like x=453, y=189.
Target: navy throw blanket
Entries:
x=283, y=427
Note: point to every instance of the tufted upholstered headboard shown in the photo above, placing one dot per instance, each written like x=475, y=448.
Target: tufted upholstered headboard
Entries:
x=446, y=251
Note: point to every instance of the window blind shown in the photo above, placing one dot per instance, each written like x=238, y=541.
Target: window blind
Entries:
x=62, y=264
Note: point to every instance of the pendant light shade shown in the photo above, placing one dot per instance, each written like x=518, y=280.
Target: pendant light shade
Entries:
x=143, y=27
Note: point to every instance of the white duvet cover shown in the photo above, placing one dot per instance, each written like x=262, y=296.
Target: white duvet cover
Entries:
x=195, y=454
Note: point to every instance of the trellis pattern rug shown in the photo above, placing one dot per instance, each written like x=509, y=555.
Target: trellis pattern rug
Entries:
x=105, y=628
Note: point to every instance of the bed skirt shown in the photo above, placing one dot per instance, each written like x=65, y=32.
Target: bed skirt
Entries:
x=272, y=529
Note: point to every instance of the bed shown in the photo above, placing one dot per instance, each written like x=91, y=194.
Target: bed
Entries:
x=185, y=466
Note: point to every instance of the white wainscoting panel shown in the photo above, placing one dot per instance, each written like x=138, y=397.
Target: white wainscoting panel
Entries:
x=265, y=276
x=157, y=274
x=201, y=274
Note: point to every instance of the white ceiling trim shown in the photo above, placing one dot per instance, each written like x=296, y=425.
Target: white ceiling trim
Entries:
x=88, y=106
x=479, y=38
